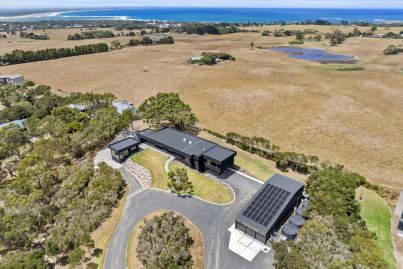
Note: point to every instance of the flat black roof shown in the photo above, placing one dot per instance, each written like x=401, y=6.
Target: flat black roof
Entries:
x=124, y=144
x=188, y=144
x=269, y=203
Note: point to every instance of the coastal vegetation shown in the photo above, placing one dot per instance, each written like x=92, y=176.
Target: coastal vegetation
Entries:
x=49, y=184
x=20, y=56
x=335, y=235
x=165, y=242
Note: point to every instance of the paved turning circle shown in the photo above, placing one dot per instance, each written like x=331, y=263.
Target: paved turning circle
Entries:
x=213, y=220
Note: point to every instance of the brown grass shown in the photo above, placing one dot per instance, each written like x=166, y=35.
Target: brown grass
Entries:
x=352, y=118
x=197, y=250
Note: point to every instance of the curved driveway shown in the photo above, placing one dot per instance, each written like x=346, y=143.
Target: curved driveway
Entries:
x=212, y=220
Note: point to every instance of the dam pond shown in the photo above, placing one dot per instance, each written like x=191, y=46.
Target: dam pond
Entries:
x=316, y=55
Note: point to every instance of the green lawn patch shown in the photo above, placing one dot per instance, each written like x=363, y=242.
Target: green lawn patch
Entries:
x=375, y=211
x=154, y=162
x=349, y=68
x=254, y=166
x=204, y=187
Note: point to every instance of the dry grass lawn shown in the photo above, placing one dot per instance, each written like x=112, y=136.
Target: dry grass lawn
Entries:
x=197, y=250
x=352, y=117
x=154, y=162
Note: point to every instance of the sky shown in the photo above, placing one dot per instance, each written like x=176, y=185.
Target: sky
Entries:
x=42, y=4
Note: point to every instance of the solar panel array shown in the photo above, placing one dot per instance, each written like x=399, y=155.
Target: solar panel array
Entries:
x=263, y=208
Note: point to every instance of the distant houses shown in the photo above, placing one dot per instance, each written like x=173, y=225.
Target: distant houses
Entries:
x=16, y=80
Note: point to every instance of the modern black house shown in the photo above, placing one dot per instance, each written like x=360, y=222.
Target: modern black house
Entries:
x=193, y=151
x=121, y=150
x=270, y=207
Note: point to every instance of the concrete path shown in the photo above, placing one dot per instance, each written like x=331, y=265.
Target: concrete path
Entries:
x=212, y=220
x=399, y=205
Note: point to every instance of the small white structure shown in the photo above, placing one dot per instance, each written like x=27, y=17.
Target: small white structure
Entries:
x=119, y=105
x=244, y=245
x=123, y=105
x=16, y=80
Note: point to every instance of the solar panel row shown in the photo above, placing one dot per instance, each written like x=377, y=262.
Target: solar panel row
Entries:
x=266, y=204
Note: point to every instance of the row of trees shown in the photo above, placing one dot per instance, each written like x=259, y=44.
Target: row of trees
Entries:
x=33, y=36
x=263, y=147
x=90, y=35
x=147, y=41
x=49, y=184
x=212, y=29
x=20, y=56
x=334, y=235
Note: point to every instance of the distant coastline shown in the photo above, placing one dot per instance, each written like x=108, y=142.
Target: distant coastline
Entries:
x=231, y=15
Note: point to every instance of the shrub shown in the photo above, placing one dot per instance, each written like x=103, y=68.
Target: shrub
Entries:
x=337, y=38
x=164, y=242
x=75, y=257
x=392, y=50
x=30, y=83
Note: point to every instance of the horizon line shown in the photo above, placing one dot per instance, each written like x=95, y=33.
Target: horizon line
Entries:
x=184, y=7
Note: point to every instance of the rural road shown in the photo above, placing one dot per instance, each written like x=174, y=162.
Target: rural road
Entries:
x=212, y=220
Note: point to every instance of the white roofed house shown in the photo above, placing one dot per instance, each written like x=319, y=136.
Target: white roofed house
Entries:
x=123, y=105
x=16, y=80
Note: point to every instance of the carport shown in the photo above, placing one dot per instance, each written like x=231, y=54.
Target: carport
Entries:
x=121, y=150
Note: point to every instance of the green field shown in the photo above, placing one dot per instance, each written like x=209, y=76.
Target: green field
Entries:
x=204, y=187
x=375, y=211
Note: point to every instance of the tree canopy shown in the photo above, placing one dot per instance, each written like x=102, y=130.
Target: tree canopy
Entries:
x=168, y=109
x=51, y=185
x=179, y=182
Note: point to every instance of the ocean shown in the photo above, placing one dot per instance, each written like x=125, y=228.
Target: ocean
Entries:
x=227, y=14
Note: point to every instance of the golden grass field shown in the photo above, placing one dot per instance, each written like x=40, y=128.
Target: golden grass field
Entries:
x=348, y=117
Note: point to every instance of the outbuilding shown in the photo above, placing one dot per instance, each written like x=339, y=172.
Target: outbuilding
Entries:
x=122, y=149
x=16, y=80
x=270, y=207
